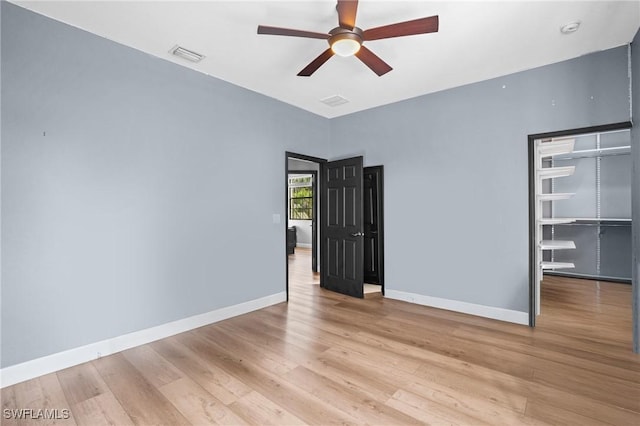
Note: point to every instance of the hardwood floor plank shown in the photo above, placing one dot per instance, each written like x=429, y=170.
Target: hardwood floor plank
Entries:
x=507, y=361
x=486, y=391
x=43, y=393
x=565, y=353
x=296, y=349
x=304, y=329
x=467, y=402
x=428, y=411
x=198, y=364
x=558, y=416
x=610, y=390
x=152, y=366
x=353, y=375
x=81, y=382
x=8, y=405
x=450, y=372
x=460, y=399
x=139, y=398
x=347, y=398
x=101, y=410
x=249, y=352
x=258, y=410
x=269, y=384
x=197, y=405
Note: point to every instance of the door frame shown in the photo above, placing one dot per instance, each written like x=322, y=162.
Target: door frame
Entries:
x=533, y=200
x=319, y=187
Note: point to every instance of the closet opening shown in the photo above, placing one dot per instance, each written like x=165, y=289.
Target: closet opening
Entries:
x=579, y=209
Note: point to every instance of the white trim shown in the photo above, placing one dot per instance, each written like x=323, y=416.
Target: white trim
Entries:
x=463, y=307
x=303, y=245
x=61, y=360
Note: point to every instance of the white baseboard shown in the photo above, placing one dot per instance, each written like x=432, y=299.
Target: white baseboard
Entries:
x=501, y=314
x=303, y=245
x=61, y=360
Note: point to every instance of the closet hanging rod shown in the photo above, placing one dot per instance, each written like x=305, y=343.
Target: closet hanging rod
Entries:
x=608, y=132
x=594, y=153
x=602, y=223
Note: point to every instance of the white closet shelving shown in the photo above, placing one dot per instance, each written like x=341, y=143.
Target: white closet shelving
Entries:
x=597, y=152
x=555, y=172
x=557, y=245
x=556, y=265
x=544, y=150
x=554, y=196
x=555, y=147
x=555, y=221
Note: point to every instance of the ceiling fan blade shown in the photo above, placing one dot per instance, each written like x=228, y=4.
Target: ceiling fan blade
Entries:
x=372, y=60
x=316, y=63
x=417, y=26
x=347, y=13
x=262, y=29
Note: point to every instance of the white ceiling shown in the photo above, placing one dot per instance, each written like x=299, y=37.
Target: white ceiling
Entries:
x=477, y=40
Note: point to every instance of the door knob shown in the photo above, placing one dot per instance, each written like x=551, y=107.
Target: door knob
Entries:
x=358, y=234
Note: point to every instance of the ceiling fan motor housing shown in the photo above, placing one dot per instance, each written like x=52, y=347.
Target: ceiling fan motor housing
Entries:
x=340, y=33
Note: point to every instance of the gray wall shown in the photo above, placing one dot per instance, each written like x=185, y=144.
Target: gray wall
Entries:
x=456, y=213
x=124, y=187
x=635, y=187
x=303, y=232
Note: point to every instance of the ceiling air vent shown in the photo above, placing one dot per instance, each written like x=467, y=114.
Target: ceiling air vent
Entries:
x=334, y=101
x=187, y=54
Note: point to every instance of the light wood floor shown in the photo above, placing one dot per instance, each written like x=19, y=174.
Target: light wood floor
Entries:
x=324, y=358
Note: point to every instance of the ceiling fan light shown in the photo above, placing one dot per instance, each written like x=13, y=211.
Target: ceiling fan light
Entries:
x=345, y=47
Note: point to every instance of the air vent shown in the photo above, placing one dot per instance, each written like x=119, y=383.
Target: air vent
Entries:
x=334, y=101
x=187, y=54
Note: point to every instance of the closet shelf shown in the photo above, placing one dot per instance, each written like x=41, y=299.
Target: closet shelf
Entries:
x=555, y=196
x=556, y=172
x=555, y=221
x=601, y=219
x=600, y=222
x=557, y=245
x=557, y=147
x=557, y=265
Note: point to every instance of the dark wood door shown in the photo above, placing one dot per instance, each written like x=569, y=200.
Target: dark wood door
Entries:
x=373, y=231
x=342, y=232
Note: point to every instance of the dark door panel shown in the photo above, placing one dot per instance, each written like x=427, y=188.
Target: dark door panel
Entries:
x=342, y=226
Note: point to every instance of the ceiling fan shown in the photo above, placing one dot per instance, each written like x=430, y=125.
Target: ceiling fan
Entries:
x=347, y=39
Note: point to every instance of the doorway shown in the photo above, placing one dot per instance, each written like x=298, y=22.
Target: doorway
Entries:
x=302, y=213
x=373, y=188
x=303, y=252
x=579, y=208
x=349, y=239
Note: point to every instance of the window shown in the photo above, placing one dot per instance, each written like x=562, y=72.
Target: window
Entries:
x=301, y=197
